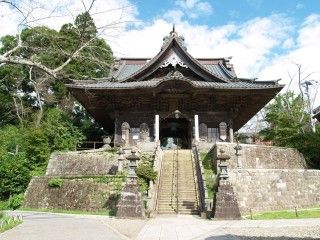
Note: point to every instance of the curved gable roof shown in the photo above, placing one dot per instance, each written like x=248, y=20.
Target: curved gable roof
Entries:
x=174, y=45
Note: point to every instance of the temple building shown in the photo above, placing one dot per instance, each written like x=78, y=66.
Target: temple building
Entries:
x=173, y=96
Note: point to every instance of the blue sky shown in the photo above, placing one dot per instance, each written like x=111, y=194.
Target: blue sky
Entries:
x=266, y=39
x=226, y=11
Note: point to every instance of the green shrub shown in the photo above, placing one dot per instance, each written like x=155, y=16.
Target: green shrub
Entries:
x=14, y=174
x=145, y=172
x=16, y=201
x=55, y=182
x=4, y=205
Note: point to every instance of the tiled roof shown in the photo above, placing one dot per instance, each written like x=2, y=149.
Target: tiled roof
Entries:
x=126, y=70
x=241, y=84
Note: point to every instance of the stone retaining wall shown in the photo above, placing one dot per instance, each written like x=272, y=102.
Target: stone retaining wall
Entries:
x=82, y=163
x=275, y=189
x=74, y=194
x=261, y=157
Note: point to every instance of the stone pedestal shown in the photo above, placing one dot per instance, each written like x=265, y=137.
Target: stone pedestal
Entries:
x=226, y=202
x=130, y=204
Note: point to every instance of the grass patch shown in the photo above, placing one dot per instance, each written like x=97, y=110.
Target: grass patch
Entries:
x=81, y=212
x=7, y=222
x=287, y=214
x=55, y=182
x=4, y=205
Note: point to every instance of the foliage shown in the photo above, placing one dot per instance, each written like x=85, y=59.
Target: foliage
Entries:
x=14, y=174
x=145, y=172
x=209, y=174
x=37, y=147
x=7, y=222
x=87, y=125
x=55, y=182
x=4, y=205
x=309, y=145
x=289, y=127
x=286, y=118
x=38, y=115
x=60, y=132
x=16, y=201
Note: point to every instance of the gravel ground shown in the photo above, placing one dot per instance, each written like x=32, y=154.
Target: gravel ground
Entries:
x=285, y=233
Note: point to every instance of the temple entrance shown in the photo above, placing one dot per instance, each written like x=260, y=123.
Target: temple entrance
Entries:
x=175, y=133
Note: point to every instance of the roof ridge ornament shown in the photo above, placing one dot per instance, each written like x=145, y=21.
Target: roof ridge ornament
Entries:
x=174, y=74
x=174, y=34
x=173, y=60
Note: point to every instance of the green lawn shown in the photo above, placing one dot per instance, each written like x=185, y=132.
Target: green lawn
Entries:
x=287, y=214
x=7, y=222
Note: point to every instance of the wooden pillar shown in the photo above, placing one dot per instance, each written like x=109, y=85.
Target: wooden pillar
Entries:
x=156, y=129
x=196, y=128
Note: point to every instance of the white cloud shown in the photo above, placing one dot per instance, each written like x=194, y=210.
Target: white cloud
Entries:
x=194, y=8
x=249, y=43
x=305, y=53
x=254, y=44
x=115, y=14
x=174, y=16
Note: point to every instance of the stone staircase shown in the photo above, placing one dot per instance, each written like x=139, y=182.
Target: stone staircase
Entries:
x=177, y=190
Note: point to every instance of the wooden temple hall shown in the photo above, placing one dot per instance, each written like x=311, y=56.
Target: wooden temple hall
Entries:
x=173, y=98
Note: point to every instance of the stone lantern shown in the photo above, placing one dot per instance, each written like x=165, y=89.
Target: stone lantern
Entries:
x=133, y=158
x=130, y=204
x=238, y=148
x=223, y=165
x=121, y=159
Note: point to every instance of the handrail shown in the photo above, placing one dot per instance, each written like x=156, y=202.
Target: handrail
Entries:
x=160, y=158
x=200, y=181
x=177, y=189
x=195, y=178
x=172, y=179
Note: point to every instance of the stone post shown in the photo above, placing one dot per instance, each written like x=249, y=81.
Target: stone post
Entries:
x=130, y=204
x=231, y=130
x=196, y=128
x=238, y=148
x=156, y=129
x=226, y=203
x=121, y=159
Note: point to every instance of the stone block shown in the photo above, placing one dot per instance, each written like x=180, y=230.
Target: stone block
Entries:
x=130, y=204
x=277, y=189
x=226, y=205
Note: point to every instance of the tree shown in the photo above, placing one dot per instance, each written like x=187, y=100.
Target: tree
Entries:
x=289, y=126
x=286, y=118
x=75, y=51
x=84, y=44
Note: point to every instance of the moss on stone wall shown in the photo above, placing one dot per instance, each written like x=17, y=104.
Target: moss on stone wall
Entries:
x=82, y=193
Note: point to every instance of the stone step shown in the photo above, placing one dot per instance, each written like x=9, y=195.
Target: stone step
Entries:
x=177, y=176
x=173, y=204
